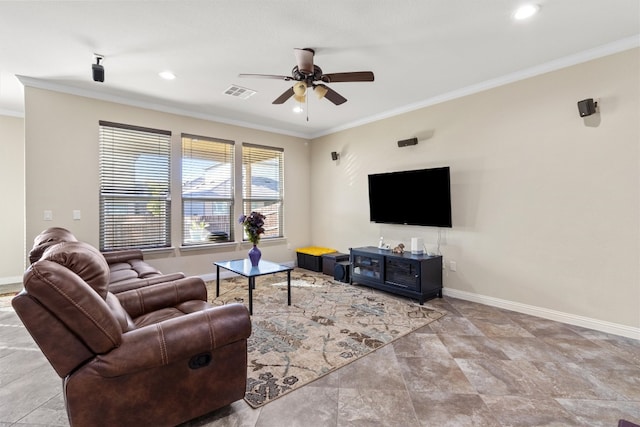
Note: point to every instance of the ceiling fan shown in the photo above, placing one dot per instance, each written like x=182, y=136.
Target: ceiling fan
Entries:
x=306, y=74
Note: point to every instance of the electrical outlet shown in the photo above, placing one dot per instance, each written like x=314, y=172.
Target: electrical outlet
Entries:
x=48, y=215
x=453, y=266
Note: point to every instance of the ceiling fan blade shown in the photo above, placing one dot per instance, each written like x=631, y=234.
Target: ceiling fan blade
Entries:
x=304, y=59
x=283, y=98
x=266, y=76
x=334, y=96
x=355, y=76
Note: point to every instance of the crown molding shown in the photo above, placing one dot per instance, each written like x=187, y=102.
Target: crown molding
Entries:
x=57, y=87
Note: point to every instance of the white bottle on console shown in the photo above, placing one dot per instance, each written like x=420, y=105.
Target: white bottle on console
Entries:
x=417, y=246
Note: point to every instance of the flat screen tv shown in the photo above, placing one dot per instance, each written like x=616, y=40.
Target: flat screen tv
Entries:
x=414, y=197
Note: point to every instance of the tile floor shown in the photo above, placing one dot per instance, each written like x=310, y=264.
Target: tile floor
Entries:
x=477, y=366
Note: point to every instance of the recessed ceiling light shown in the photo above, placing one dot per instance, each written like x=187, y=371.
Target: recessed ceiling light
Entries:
x=526, y=11
x=167, y=75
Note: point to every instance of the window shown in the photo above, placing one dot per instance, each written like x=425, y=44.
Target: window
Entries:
x=262, y=183
x=135, y=202
x=207, y=190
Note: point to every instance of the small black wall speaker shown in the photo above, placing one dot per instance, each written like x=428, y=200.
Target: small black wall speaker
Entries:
x=407, y=142
x=586, y=107
x=334, y=155
x=98, y=72
x=342, y=271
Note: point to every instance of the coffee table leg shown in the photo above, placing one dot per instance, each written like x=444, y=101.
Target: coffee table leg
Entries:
x=252, y=281
x=217, y=281
x=289, y=287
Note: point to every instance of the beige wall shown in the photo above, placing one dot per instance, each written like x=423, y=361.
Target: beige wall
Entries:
x=546, y=207
x=62, y=174
x=12, y=212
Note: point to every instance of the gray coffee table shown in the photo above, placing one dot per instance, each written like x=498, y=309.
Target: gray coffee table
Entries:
x=244, y=268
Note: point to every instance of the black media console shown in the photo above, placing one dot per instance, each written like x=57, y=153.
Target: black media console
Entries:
x=410, y=275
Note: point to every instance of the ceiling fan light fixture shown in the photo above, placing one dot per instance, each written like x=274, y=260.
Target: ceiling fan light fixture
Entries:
x=305, y=74
x=300, y=89
x=321, y=91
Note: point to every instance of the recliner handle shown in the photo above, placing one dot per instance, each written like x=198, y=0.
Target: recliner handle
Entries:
x=200, y=360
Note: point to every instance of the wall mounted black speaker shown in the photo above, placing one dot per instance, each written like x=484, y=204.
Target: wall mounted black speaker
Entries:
x=334, y=155
x=342, y=271
x=407, y=142
x=98, y=72
x=587, y=107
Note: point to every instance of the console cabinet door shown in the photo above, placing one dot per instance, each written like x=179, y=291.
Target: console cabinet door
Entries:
x=368, y=267
x=403, y=273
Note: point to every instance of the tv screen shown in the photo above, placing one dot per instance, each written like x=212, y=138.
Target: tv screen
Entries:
x=415, y=197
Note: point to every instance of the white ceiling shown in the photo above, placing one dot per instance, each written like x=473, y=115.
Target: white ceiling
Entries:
x=421, y=51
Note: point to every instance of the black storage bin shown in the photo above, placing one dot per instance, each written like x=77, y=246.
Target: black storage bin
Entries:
x=329, y=261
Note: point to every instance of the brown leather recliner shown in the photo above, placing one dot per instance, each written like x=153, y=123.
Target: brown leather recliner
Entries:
x=154, y=356
x=128, y=270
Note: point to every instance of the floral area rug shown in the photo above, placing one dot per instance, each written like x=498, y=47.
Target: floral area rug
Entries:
x=328, y=325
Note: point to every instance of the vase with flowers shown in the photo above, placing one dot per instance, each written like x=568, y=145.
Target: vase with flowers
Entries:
x=254, y=226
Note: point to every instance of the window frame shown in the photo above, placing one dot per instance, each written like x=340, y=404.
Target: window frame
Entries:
x=269, y=204
x=202, y=233
x=134, y=216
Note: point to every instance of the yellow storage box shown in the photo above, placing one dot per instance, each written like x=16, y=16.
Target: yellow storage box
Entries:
x=310, y=258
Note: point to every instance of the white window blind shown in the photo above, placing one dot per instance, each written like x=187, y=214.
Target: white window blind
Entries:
x=262, y=186
x=134, y=187
x=207, y=190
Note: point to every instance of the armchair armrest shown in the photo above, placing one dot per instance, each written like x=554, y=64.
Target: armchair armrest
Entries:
x=122, y=255
x=175, y=339
x=127, y=285
x=143, y=300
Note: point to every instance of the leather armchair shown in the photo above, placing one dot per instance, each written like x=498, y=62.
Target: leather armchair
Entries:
x=128, y=270
x=153, y=356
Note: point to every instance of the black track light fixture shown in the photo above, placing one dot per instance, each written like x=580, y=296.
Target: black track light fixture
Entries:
x=97, y=69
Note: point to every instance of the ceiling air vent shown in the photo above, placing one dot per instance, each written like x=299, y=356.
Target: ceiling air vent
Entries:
x=239, y=92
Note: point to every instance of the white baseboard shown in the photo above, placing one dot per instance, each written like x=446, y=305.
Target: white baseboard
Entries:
x=545, y=313
x=212, y=276
x=11, y=280
x=10, y=284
